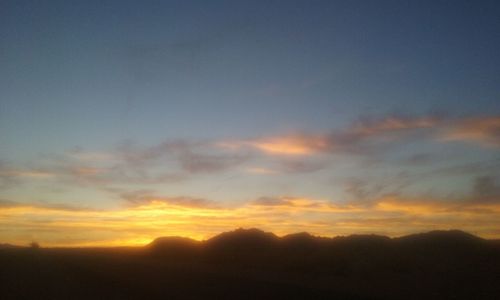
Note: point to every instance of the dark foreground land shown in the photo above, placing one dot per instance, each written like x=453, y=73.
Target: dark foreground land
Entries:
x=251, y=264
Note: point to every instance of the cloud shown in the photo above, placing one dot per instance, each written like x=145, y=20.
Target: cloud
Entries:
x=290, y=145
x=11, y=176
x=477, y=167
x=27, y=173
x=420, y=159
x=178, y=160
x=373, y=127
x=192, y=156
x=167, y=162
x=388, y=127
x=144, y=197
x=359, y=189
x=482, y=130
x=302, y=204
x=90, y=174
x=206, y=163
x=288, y=165
x=42, y=205
x=435, y=206
x=368, y=134
x=370, y=188
x=7, y=180
x=348, y=139
x=272, y=201
x=301, y=165
x=486, y=189
x=261, y=170
x=7, y=203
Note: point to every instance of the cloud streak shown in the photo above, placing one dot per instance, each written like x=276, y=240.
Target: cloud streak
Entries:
x=144, y=197
x=352, y=138
x=165, y=163
x=485, y=131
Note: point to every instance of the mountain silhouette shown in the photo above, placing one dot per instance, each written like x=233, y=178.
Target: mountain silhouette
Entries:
x=242, y=238
x=254, y=264
x=442, y=237
x=174, y=246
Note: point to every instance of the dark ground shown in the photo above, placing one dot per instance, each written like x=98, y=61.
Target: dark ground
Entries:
x=251, y=264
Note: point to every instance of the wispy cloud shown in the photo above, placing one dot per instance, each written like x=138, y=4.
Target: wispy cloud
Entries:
x=144, y=197
x=482, y=130
x=290, y=145
x=373, y=127
x=176, y=160
x=367, y=133
x=11, y=176
x=179, y=160
x=167, y=162
x=486, y=189
x=260, y=170
x=339, y=140
x=191, y=156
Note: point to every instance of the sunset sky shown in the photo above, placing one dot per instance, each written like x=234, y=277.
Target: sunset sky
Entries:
x=122, y=121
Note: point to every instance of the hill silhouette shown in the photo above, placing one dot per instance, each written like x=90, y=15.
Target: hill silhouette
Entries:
x=174, y=246
x=253, y=264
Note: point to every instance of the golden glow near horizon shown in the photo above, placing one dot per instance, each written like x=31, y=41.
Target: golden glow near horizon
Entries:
x=141, y=224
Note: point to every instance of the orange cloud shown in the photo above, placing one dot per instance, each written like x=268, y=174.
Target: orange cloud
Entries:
x=292, y=145
x=282, y=145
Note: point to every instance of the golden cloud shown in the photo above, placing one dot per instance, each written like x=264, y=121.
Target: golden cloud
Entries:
x=282, y=145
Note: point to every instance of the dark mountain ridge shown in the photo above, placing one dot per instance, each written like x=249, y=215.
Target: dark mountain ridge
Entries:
x=250, y=240
x=253, y=264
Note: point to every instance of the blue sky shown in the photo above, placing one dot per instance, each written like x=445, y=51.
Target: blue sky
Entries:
x=341, y=102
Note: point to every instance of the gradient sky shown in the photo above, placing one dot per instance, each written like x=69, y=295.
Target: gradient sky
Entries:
x=121, y=121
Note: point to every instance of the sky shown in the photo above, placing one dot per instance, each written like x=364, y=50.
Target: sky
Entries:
x=123, y=121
